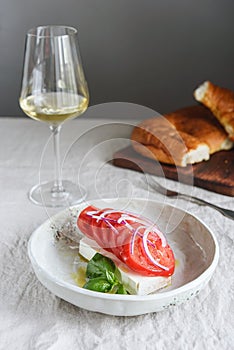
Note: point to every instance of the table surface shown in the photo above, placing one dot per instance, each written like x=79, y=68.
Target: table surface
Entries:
x=31, y=317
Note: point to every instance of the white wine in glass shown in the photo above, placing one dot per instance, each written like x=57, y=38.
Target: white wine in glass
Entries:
x=53, y=90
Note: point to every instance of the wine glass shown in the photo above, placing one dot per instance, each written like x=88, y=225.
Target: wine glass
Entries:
x=53, y=90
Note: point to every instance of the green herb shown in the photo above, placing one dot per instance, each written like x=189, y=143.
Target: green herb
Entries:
x=98, y=266
x=98, y=284
x=103, y=276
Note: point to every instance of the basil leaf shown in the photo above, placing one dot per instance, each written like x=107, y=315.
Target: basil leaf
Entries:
x=118, y=289
x=104, y=276
x=117, y=274
x=98, y=266
x=114, y=289
x=121, y=289
x=110, y=276
x=98, y=284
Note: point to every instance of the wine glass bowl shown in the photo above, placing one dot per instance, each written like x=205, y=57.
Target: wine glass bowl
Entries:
x=54, y=90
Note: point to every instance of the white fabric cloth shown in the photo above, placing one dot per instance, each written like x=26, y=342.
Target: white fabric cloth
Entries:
x=31, y=317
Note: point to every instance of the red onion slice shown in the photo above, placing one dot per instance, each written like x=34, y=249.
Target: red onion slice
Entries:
x=124, y=219
x=111, y=226
x=135, y=233
x=146, y=223
x=145, y=245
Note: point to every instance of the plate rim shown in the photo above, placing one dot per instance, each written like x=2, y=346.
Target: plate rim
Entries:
x=121, y=297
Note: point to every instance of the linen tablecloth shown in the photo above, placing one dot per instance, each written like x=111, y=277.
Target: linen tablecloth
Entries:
x=31, y=317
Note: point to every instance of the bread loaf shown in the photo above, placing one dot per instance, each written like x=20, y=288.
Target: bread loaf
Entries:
x=186, y=136
x=220, y=101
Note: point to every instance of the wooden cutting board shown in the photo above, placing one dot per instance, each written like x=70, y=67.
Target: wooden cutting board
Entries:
x=216, y=174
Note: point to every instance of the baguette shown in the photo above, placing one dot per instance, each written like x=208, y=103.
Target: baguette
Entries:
x=220, y=101
x=186, y=136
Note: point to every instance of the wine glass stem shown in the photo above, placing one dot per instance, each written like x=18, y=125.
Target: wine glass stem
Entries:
x=58, y=186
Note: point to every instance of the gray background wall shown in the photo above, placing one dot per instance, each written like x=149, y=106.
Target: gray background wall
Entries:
x=152, y=52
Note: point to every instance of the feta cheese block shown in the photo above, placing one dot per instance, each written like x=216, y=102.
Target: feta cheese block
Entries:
x=133, y=282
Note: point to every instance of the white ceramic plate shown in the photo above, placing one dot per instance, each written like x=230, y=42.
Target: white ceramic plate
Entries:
x=194, y=245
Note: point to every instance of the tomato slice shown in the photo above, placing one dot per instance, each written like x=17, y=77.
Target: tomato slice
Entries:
x=95, y=229
x=140, y=262
x=124, y=238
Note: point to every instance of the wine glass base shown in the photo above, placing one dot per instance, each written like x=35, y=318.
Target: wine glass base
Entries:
x=42, y=194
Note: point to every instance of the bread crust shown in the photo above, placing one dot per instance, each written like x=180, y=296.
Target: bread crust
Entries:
x=183, y=137
x=220, y=101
